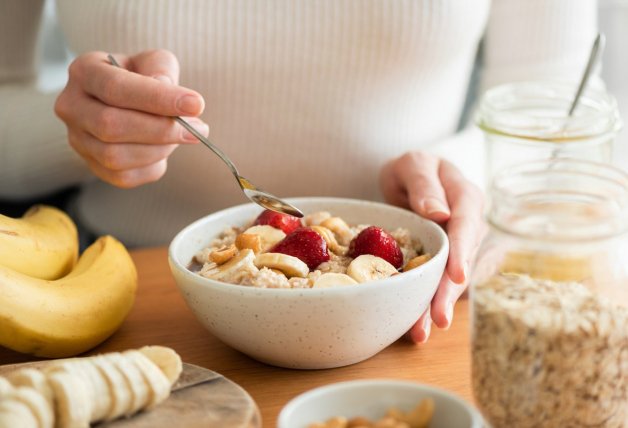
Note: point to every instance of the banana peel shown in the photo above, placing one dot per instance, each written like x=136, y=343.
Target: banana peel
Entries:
x=42, y=244
x=71, y=314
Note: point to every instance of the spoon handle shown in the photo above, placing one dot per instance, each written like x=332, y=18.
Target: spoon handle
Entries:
x=594, y=56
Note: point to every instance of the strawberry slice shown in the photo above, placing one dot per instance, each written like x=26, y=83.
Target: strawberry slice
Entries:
x=304, y=244
x=285, y=222
x=377, y=242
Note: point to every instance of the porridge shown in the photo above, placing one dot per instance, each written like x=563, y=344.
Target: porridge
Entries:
x=280, y=251
x=549, y=353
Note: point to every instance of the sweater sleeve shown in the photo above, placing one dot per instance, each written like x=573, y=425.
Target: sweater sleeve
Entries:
x=524, y=40
x=35, y=158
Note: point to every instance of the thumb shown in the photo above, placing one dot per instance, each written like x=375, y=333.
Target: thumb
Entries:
x=160, y=64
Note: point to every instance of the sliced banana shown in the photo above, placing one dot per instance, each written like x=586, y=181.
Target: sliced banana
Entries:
x=14, y=414
x=268, y=234
x=135, y=382
x=118, y=390
x=238, y=263
x=36, y=402
x=166, y=359
x=289, y=265
x=315, y=219
x=340, y=228
x=329, y=280
x=416, y=262
x=330, y=239
x=5, y=386
x=32, y=378
x=99, y=388
x=72, y=404
x=367, y=268
x=157, y=382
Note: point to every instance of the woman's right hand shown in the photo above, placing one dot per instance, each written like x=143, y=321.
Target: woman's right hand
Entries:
x=119, y=119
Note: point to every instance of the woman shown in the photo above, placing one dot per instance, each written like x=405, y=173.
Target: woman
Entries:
x=328, y=97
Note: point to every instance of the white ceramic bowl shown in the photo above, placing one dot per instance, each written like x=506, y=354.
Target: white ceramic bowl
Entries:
x=371, y=399
x=311, y=328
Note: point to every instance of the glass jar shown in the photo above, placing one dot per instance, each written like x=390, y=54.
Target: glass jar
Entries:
x=549, y=298
x=527, y=121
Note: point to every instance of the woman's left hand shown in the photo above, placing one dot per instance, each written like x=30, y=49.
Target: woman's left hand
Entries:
x=437, y=190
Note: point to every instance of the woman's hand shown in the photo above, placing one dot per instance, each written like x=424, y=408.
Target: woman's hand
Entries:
x=437, y=190
x=117, y=118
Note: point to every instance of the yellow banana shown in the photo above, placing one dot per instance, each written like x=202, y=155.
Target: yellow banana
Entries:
x=42, y=244
x=72, y=314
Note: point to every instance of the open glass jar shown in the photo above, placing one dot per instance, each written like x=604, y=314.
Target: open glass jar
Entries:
x=527, y=121
x=549, y=298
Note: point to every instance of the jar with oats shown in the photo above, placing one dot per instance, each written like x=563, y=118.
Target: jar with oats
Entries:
x=549, y=298
x=528, y=121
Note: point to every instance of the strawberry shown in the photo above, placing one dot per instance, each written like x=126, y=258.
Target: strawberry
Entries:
x=304, y=244
x=285, y=222
x=377, y=242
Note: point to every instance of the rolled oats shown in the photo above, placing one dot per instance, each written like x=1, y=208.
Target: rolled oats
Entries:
x=549, y=354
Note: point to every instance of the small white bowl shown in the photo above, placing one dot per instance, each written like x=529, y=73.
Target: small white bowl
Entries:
x=311, y=328
x=371, y=399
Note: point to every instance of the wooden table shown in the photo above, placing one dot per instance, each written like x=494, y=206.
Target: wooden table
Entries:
x=161, y=317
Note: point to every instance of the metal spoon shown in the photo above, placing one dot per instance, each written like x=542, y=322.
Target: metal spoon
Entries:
x=594, y=57
x=254, y=193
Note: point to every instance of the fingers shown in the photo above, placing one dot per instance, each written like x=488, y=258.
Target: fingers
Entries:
x=129, y=178
x=122, y=88
x=413, y=181
x=420, y=331
x=117, y=125
x=442, y=309
x=465, y=226
x=159, y=64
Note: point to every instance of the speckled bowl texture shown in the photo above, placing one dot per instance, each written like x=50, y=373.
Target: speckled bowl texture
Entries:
x=372, y=398
x=311, y=328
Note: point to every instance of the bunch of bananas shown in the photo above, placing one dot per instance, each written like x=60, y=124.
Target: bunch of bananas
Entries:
x=51, y=304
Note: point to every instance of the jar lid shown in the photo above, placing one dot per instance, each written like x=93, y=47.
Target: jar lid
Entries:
x=538, y=110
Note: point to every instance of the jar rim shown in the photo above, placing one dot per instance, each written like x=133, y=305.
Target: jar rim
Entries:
x=537, y=110
x=560, y=200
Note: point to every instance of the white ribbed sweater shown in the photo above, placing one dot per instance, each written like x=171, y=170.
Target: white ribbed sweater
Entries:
x=309, y=97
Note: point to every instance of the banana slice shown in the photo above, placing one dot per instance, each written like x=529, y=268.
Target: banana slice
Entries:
x=340, y=228
x=315, y=219
x=268, y=234
x=330, y=239
x=5, y=386
x=329, y=280
x=73, y=406
x=243, y=260
x=289, y=265
x=157, y=382
x=32, y=378
x=166, y=359
x=134, y=380
x=15, y=414
x=36, y=402
x=367, y=267
x=118, y=390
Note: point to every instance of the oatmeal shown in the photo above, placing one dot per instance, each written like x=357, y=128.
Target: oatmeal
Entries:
x=550, y=354
x=278, y=251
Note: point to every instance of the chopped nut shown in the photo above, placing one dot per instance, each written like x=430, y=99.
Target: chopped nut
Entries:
x=224, y=254
x=249, y=240
x=416, y=262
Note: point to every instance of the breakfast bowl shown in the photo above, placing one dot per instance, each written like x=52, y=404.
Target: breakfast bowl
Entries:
x=372, y=399
x=311, y=328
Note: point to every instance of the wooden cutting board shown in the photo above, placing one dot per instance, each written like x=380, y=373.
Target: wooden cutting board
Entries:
x=215, y=402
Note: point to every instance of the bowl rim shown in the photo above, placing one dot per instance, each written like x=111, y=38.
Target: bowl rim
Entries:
x=345, y=386
x=199, y=280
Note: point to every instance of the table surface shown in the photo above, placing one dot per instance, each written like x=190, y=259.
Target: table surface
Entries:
x=161, y=317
